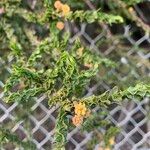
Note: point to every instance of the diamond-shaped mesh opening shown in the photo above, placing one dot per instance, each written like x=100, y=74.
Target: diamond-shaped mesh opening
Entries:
x=126, y=146
x=70, y=145
x=120, y=137
x=117, y=29
x=20, y=134
x=101, y=44
x=138, y=116
x=18, y=111
x=144, y=127
x=130, y=127
x=39, y=135
x=39, y=113
x=45, y=104
x=78, y=137
x=47, y=145
x=136, y=137
x=97, y=31
x=49, y=124
x=119, y=117
x=54, y=112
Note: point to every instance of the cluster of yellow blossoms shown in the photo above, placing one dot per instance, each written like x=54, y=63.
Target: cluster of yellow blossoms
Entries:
x=60, y=25
x=81, y=112
x=64, y=9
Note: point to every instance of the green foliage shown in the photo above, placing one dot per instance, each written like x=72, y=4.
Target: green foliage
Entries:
x=98, y=123
x=61, y=129
x=50, y=65
x=6, y=136
x=92, y=16
x=96, y=120
x=115, y=95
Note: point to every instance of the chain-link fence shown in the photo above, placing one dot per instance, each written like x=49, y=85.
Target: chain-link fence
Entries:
x=131, y=116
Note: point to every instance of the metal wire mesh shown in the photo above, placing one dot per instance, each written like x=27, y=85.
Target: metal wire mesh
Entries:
x=131, y=116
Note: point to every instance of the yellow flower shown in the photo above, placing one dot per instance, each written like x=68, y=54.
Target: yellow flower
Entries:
x=112, y=141
x=80, y=109
x=131, y=9
x=65, y=10
x=80, y=51
x=77, y=120
x=60, y=25
x=58, y=5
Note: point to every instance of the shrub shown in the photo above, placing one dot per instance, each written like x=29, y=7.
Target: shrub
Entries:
x=46, y=63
